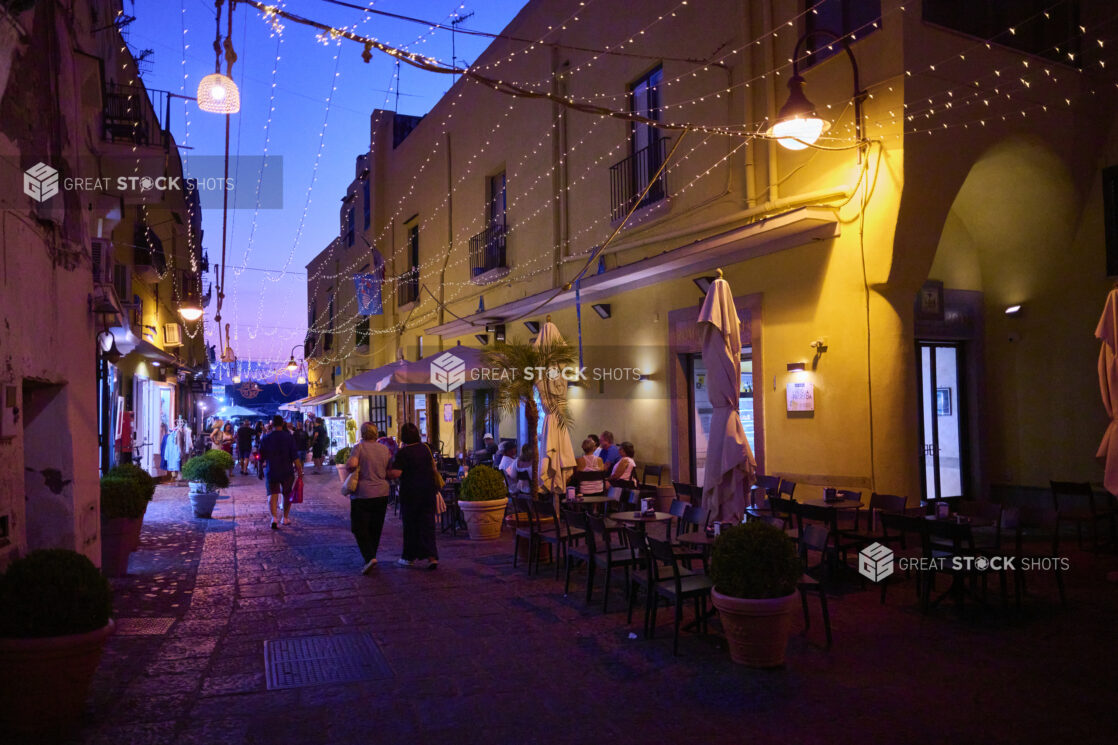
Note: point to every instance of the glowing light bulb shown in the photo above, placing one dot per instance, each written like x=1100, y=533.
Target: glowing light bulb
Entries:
x=798, y=133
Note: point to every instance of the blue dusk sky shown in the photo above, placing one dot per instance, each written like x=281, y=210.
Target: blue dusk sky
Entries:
x=323, y=96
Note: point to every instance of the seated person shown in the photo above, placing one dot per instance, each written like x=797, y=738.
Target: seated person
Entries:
x=524, y=471
x=609, y=452
x=588, y=462
x=488, y=452
x=624, y=473
x=507, y=465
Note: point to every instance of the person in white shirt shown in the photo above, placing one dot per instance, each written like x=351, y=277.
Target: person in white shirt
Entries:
x=523, y=471
x=624, y=473
x=507, y=465
x=588, y=461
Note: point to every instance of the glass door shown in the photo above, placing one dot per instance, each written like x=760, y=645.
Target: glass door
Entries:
x=701, y=410
x=942, y=457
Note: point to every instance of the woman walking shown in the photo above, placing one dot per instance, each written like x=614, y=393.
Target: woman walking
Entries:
x=414, y=466
x=368, y=505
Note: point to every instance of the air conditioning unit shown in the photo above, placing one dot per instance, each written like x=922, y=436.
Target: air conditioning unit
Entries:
x=101, y=252
x=172, y=335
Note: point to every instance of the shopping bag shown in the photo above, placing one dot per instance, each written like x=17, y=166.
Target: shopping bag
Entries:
x=297, y=491
x=440, y=503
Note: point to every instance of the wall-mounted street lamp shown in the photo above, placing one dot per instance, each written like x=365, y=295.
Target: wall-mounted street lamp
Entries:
x=797, y=125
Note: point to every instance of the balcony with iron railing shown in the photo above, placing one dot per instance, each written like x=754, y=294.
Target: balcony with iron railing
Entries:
x=488, y=255
x=629, y=177
x=407, y=288
x=132, y=115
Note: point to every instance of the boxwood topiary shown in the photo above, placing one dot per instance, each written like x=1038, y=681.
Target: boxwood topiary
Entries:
x=341, y=456
x=483, y=483
x=53, y=592
x=224, y=459
x=755, y=561
x=207, y=470
x=137, y=474
x=121, y=497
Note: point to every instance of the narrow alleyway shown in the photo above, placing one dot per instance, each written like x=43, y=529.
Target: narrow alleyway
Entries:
x=480, y=652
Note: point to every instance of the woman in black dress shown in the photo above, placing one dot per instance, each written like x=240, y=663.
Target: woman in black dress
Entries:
x=414, y=466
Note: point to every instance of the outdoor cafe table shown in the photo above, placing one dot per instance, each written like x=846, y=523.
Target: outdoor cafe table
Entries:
x=838, y=504
x=591, y=501
x=639, y=520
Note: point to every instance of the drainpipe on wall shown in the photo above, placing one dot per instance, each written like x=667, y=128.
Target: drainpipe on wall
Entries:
x=770, y=102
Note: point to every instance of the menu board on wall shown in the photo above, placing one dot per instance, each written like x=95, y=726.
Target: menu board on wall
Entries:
x=801, y=397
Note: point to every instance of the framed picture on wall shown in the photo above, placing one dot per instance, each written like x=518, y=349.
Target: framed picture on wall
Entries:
x=943, y=402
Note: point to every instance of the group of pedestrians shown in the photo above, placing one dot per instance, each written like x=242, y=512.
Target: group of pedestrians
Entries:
x=282, y=449
x=413, y=467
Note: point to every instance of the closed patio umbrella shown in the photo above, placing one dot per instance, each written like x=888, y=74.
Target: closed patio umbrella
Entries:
x=1107, y=332
x=557, y=456
x=730, y=466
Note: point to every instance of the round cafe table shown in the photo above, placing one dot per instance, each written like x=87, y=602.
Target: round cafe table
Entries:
x=639, y=520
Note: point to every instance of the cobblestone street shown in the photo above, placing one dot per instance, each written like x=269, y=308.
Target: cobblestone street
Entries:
x=480, y=652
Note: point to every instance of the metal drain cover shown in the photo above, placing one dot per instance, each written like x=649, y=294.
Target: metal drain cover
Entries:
x=315, y=660
x=143, y=626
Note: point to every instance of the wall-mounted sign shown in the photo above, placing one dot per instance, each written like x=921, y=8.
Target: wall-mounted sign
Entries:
x=448, y=412
x=801, y=397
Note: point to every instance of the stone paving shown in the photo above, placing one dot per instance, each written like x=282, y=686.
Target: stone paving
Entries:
x=479, y=652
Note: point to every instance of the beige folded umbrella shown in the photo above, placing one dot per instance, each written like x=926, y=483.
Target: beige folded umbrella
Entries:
x=1107, y=332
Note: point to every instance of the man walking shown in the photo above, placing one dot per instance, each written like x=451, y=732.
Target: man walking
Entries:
x=245, y=433
x=319, y=441
x=281, y=464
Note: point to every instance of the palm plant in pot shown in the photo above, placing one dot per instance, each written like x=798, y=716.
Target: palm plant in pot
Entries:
x=122, y=515
x=756, y=571
x=482, y=499
x=206, y=474
x=55, y=621
x=516, y=386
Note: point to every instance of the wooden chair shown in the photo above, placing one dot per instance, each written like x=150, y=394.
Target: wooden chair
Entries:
x=676, y=588
x=1077, y=502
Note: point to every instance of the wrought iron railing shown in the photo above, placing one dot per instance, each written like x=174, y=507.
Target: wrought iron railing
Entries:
x=129, y=115
x=487, y=250
x=629, y=177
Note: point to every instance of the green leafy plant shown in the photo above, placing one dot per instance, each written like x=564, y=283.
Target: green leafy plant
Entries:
x=142, y=478
x=517, y=390
x=121, y=497
x=755, y=561
x=483, y=483
x=341, y=456
x=53, y=592
x=207, y=470
x=224, y=459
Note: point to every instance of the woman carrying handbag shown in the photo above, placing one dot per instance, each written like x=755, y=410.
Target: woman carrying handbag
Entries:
x=368, y=493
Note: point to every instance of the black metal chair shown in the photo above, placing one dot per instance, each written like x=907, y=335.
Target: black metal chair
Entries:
x=651, y=470
x=1077, y=502
x=669, y=583
x=580, y=551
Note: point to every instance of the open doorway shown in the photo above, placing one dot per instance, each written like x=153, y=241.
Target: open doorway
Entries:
x=941, y=376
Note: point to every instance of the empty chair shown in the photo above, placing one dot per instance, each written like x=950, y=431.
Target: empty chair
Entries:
x=901, y=533
x=553, y=532
x=815, y=538
x=676, y=588
x=651, y=471
x=579, y=550
x=1037, y=539
x=986, y=538
x=1078, y=503
x=787, y=488
x=609, y=553
x=682, y=491
x=867, y=528
x=525, y=528
x=694, y=518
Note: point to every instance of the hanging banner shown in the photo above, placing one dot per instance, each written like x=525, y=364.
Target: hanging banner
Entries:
x=368, y=294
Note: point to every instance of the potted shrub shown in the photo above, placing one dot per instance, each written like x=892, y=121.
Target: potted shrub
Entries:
x=482, y=499
x=56, y=618
x=206, y=474
x=340, y=458
x=147, y=487
x=122, y=515
x=756, y=571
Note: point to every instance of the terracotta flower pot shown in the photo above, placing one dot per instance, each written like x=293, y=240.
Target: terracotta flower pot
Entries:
x=483, y=518
x=44, y=682
x=119, y=538
x=756, y=630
